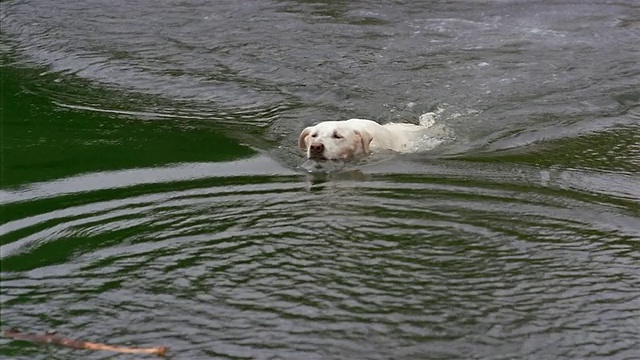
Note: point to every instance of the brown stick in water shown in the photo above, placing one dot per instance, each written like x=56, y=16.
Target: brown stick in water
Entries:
x=52, y=338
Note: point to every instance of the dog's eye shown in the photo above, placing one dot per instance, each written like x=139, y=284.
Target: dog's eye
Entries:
x=337, y=136
x=314, y=135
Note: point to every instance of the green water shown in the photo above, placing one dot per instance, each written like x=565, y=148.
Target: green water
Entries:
x=152, y=193
x=42, y=141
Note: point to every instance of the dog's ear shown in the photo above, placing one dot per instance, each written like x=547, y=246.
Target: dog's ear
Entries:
x=302, y=140
x=365, y=140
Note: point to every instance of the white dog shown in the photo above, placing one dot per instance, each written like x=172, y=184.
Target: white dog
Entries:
x=344, y=140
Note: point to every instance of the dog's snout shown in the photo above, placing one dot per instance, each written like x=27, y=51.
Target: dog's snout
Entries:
x=316, y=148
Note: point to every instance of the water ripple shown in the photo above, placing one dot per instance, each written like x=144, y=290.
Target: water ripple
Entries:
x=335, y=269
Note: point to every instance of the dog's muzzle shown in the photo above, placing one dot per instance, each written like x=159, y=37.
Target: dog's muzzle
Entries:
x=316, y=151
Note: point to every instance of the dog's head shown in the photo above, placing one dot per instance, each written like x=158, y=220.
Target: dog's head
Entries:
x=334, y=140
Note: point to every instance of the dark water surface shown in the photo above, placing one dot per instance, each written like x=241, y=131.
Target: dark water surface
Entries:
x=151, y=190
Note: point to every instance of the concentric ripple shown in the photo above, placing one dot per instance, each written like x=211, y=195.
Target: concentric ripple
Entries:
x=518, y=240
x=342, y=266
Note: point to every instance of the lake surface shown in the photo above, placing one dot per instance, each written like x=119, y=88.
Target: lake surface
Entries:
x=152, y=192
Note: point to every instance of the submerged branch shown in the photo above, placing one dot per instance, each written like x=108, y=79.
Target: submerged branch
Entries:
x=52, y=338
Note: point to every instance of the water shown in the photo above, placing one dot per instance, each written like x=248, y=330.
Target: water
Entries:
x=152, y=193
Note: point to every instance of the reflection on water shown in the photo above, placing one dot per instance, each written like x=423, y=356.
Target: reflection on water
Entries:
x=152, y=193
x=361, y=264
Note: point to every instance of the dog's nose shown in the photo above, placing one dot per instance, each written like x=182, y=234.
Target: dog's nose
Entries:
x=316, y=148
